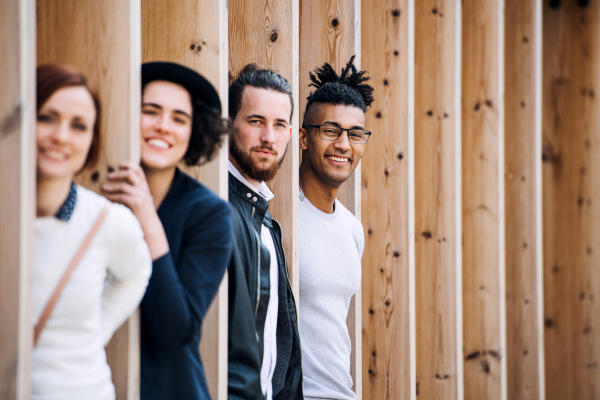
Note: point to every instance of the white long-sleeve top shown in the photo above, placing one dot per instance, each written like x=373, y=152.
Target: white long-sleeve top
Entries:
x=69, y=361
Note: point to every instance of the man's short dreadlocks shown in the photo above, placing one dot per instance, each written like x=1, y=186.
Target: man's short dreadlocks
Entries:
x=346, y=89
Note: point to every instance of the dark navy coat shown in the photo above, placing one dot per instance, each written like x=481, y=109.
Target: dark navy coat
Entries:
x=199, y=229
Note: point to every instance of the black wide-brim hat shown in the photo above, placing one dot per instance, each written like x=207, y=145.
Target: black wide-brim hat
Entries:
x=196, y=84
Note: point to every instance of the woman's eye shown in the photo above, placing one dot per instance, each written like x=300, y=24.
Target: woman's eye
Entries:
x=149, y=112
x=282, y=126
x=79, y=126
x=179, y=121
x=255, y=122
x=44, y=118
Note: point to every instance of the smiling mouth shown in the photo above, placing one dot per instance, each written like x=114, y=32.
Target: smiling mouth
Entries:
x=55, y=155
x=339, y=159
x=158, y=143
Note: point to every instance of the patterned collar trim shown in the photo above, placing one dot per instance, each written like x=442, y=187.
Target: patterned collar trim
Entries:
x=66, y=210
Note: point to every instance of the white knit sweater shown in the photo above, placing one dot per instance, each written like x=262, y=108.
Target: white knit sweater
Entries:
x=69, y=361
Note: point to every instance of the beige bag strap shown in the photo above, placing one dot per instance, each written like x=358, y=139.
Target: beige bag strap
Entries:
x=65, y=278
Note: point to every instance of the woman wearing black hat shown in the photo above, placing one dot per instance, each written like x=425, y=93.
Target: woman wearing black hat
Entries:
x=188, y=228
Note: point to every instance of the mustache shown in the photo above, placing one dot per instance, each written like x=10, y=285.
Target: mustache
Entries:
x=264, y=147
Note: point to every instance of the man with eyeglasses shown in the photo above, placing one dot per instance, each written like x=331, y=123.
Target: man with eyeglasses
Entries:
x=332, y=139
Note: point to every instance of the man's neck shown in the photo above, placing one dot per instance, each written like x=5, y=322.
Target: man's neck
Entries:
x=51, y=195
x=159, y=183
x=320, y=195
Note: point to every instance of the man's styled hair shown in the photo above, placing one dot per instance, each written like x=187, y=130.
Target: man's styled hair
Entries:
x=346, y=89
x=260, y=78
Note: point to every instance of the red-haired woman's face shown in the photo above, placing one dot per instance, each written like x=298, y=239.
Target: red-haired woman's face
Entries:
x=65, y=125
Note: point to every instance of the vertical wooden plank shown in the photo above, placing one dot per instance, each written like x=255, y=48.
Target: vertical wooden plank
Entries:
x=437, y=197
x=102, y=39
x=524, y=298
x=483, y=199
x=571, y=199
x=388, y=328
x=330, y=32
x=17, y=194
x=266, y=32
x=194, y=34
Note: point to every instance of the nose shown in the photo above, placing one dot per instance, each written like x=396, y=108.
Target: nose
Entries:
x=267, y=135
x=61, y=134
x=343, y=143
x=163, y=124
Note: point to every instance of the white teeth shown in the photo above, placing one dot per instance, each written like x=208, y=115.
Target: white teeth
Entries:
x=161, y=144
x=339, y=159
x=55, y=154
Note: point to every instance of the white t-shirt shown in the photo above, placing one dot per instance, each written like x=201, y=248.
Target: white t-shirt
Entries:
x=331, y=247
x=270, y=333
x=69, y=361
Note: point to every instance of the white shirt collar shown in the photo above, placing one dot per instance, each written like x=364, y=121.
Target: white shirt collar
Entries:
x=263, y=190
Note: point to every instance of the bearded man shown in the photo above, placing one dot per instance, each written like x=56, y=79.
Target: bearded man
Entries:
x=264, y=342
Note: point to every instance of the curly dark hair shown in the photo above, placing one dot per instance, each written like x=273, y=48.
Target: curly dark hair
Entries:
x=347, y=89
x=208, y=129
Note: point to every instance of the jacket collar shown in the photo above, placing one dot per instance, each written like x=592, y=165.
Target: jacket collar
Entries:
x=248, y=195
x=263, y=189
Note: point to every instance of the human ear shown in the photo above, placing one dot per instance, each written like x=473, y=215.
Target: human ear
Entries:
x=302, y=139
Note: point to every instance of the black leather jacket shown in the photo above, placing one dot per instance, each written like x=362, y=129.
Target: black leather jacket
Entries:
x=249, y=291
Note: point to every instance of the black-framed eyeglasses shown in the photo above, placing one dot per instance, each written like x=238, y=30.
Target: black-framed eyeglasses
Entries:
x=331, y=132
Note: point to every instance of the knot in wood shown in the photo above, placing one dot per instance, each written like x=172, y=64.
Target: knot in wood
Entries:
x=335, y=22
x=396, y=12
x=274, y=36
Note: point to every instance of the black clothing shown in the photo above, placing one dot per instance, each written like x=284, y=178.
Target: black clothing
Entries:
x=249, y=292
x=199, y=228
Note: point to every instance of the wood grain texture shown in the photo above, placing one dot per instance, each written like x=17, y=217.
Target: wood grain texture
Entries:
x=437, y=195
x=195, y=34
x=17, y=194
x=102, y=39
x=330, y=31
x=522, y=138
x=387, y=181
x=483, y=200
x=571, y=200
x=266, y=32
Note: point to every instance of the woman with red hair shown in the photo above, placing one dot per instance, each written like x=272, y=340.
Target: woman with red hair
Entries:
x=91, y=264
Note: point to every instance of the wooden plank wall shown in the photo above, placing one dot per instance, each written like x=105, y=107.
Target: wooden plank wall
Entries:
x=266, y=32
x=571, y=199
x=330, y=32
x=109, y=54
x=464, y=295
x=482, y=122
x=195, y=34
x=388, y=328
x=437, y=199
x=523, y=200
x=17, y=199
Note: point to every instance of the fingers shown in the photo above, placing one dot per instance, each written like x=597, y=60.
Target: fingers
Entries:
x=119, y=187
x=129, y=172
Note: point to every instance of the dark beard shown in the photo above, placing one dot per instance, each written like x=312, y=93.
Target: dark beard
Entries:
x=245, y=162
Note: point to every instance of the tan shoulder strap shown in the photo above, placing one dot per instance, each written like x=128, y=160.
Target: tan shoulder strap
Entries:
x=69, y=271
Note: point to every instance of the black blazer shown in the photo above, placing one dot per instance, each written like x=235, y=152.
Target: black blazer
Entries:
x=199, y=228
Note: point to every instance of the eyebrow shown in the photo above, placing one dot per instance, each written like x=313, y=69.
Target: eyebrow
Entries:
x=160, y=107
x=263, y=117
x=339, y=126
